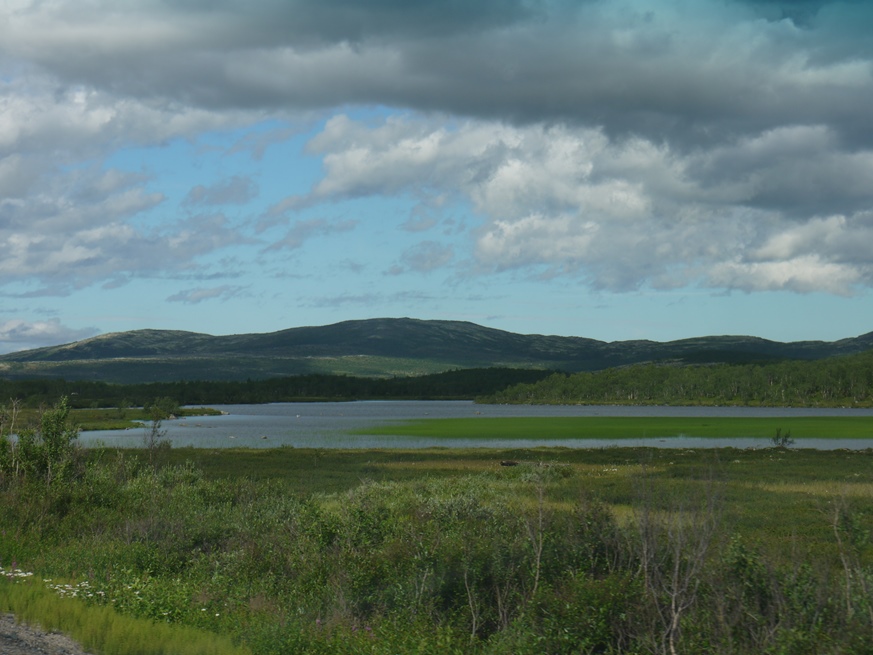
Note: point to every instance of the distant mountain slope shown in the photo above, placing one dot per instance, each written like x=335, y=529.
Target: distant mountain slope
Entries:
x=378, y=347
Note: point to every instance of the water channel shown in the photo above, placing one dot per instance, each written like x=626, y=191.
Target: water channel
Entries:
x=330, y=425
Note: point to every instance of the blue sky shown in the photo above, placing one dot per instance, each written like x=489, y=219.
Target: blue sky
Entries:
x=612, y=170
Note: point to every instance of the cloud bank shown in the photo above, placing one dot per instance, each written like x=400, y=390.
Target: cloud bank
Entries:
x=726, y=143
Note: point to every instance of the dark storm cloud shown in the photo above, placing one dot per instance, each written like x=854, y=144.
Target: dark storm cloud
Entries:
x=691, y=74
x=353, y=21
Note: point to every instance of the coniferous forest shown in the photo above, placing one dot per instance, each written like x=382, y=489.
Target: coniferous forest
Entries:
x=450, y=385
x=833, y=382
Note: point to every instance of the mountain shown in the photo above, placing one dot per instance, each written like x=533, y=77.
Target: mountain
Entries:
x=379, y=347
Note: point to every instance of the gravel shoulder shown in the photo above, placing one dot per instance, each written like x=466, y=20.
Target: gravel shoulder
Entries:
x=19, y=639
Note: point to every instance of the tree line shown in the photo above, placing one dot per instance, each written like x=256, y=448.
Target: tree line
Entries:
x=450, y=385
x=838, y=381
x=835, y=382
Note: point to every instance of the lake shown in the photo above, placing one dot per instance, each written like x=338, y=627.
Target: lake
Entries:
x=328, y=425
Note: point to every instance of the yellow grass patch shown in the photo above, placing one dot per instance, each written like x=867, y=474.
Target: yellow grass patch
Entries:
x=829, y=489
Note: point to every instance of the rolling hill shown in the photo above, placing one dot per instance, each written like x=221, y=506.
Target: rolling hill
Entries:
x=379, y=348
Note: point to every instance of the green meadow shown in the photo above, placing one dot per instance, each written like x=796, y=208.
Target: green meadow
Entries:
x=851, y=427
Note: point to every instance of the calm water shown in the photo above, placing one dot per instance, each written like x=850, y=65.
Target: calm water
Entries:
x=327, y=425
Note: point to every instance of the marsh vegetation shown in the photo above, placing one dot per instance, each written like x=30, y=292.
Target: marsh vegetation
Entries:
x=442, y=550
x=775, y=430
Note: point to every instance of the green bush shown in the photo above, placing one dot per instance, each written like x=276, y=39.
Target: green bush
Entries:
x=523, y=559
x=45, y=453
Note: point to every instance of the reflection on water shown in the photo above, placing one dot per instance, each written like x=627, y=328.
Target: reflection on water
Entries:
x=327, y=425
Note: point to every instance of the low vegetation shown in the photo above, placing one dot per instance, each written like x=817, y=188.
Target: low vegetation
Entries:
x=124, y=417
x=442, y=550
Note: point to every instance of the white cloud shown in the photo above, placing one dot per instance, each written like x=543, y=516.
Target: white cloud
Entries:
x=537, y=239
x=801, y=274
x=17, y=334
x=71, y=240
x=65, y=219
x=42, y=115
x=622, y=213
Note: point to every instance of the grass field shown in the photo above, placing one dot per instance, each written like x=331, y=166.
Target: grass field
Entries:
x=851, y=427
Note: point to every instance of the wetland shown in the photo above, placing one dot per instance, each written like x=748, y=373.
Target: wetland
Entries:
x=423, y=424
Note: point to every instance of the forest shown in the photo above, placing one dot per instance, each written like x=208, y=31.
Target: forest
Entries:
x=450, y=385
x=833, y=382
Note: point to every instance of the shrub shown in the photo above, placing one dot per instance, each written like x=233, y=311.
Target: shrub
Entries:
x=46, y=452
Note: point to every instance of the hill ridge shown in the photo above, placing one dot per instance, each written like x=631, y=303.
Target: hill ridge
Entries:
x=381, y=347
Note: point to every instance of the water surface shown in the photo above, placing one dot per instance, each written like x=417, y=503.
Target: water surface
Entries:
x=329, y=425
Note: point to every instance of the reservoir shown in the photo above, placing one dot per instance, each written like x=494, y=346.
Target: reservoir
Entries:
x=331, y=425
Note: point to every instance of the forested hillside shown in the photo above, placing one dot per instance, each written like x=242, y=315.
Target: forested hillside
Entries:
x=383, y=348
x=838, y=381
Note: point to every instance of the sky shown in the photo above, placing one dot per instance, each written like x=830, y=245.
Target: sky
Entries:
x=606, y=169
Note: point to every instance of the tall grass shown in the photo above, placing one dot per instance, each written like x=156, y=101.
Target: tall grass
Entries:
x=101, y=630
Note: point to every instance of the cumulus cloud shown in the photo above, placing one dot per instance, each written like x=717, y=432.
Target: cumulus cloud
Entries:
x=16, y=334
x=727, y=142
x=47, y=115
x=77, y=233
x=621, y=213
x=65, y=218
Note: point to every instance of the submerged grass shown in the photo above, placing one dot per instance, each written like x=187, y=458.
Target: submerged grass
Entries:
x=597, y=427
